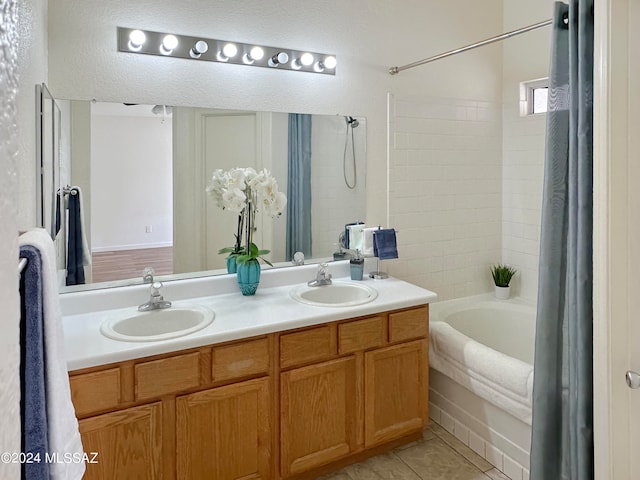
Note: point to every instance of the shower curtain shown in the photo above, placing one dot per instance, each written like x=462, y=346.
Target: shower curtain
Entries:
x=299, y=186
x=562, y=431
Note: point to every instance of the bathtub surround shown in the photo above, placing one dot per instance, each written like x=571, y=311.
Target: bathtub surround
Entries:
x=445, y=192
x=562, y=435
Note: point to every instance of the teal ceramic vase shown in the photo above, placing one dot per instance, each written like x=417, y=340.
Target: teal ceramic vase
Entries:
x=231, y=264
x=248, y=277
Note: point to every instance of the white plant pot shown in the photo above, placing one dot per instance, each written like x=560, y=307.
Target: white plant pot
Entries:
x=502, y=293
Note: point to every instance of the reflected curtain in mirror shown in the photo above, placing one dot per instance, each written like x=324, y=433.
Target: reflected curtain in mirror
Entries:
x=299, y=185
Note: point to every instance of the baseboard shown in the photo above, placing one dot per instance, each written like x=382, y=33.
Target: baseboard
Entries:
x=137, y=246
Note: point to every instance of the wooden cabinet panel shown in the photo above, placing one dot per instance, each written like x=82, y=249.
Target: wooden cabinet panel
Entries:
x=167, y=375
x=128, y=443
x=361, y=335
x=241, y=360
x=225, y=433
x=409, y=324
x=318, y=414
x=395, y=391
x=95, y=392
x=308, y=346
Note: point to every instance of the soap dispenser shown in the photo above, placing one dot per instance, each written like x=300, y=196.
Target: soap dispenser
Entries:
x=356, y=266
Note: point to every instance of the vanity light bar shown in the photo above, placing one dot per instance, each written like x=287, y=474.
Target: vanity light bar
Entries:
x=134, y=40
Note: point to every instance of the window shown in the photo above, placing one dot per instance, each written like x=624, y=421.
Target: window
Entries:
x=533, y=96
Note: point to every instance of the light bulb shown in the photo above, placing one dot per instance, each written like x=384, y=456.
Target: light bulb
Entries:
x=279, y=58
x=256, y=53
x=136, y=40
x=230, y=50
x=306, y=59
x=330, y=62
x=227, y=52
x=318, y=67
x=198, y=49
x=169, y=42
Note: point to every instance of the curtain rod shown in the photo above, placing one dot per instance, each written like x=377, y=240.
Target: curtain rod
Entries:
x=395, y=70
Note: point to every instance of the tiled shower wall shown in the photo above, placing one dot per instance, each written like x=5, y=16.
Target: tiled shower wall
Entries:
x=445, y=193
x=523, y=171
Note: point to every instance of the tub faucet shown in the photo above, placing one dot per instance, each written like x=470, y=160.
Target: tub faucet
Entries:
x=323, y=277
x=157, y=301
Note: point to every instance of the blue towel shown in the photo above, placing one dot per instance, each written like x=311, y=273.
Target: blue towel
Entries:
x=75, y=268
x=33, y=410
x=384, y=244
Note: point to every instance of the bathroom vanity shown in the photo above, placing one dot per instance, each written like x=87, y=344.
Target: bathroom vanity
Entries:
x=277, y=389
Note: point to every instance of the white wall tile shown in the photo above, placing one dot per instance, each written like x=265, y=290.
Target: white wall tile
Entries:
x=511, y=468
x=494, y=457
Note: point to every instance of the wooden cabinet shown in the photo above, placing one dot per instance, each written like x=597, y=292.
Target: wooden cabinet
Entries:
x=128, y=443
x=395, y=391
x=290, y=404
x=318, y=414
x=224, y=433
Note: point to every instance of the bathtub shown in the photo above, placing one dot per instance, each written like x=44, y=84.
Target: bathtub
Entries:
x=481, y=359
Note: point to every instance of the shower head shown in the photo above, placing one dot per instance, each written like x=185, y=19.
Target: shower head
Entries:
x=352, y=122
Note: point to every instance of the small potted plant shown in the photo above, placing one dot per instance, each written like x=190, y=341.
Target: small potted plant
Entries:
x=502, y=275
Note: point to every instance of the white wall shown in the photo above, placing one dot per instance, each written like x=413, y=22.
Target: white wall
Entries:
x=131, y=173
x=525, y=57
x=367, y=38
x=22, y=54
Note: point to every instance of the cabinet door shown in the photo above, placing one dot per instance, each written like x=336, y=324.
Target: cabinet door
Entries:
x=318, y=414
x=224, y=433
x=128, y=443
x=395, y=391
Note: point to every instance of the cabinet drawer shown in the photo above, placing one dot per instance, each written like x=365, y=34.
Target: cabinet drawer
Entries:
x=409, y=324
x=167, y=375
x=308, y=346
x=240, y=360
x=361, y=335
x=93, y=392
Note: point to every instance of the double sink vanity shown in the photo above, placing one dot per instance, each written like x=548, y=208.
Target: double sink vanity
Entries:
x=293, y=382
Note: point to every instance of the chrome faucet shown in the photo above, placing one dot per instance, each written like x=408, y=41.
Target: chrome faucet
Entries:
x=323, y=277
x=148, y=275
x=157, y=301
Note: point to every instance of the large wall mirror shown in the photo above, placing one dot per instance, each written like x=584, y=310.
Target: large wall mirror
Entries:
x=143, y=171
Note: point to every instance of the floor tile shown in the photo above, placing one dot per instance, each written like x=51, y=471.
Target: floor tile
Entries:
x=435, y=460
x=341, y=475
x=382, y=467
x=426, y=435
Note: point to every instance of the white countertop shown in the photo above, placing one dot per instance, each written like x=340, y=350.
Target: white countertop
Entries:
x=270, y=310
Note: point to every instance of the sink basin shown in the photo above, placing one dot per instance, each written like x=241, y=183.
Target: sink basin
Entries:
x=338, y=294
x=157, y=324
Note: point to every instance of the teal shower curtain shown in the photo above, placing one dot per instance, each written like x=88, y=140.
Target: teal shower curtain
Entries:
x=562, y=430
x=299, y=186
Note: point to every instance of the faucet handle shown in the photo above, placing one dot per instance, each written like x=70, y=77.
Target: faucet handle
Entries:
x=148, y=273
x=155, y=289
x=323, y=271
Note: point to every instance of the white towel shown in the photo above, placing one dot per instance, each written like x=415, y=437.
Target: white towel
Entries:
x=355, y=236
x=64, y=436
x=86, y=253
x=367, y=241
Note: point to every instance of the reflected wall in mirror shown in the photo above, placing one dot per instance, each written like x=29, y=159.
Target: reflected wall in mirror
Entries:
x=144, y=169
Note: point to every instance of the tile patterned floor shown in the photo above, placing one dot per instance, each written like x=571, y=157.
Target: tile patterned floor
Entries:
x=438, y=456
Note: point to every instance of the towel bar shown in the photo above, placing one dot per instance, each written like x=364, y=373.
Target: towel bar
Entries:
x=22, y=264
